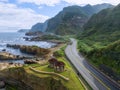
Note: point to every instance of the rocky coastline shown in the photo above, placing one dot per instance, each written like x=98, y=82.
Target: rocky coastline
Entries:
x=33, y=50
x=46, y=37
x=9, y=56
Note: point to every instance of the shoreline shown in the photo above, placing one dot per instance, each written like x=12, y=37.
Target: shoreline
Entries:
x=9, y=56
x=56, y=42
x=7, y=65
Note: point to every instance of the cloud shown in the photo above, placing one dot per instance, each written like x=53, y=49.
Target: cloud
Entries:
x=92, y=2
x=41, y=2
x=3, y=0
x=40, y=7
x=114, y=2
x=78, y=2
x=13, y=16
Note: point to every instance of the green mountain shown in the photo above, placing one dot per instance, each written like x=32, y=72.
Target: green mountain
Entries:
x=104, y=26
x=39, y=27
x=90, y=10
x=70, y=20
x=100, y=41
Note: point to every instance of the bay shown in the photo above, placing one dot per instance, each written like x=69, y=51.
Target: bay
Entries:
x=17, y=38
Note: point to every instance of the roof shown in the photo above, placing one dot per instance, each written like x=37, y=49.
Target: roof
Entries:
x=59, y=63
x=52, y=60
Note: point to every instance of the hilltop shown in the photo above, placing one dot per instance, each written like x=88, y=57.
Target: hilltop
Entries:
x=70, y=20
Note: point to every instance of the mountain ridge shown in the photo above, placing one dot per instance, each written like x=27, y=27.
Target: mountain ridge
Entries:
x=70, y=20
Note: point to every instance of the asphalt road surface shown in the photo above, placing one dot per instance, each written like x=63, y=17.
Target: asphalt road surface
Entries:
x=94, y=78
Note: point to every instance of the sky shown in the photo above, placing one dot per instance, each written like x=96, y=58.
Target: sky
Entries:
x=22, y=14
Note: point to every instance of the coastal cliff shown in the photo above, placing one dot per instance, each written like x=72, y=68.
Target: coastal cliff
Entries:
x=24, y=79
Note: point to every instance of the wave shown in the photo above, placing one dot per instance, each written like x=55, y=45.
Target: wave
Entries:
x=3, y=44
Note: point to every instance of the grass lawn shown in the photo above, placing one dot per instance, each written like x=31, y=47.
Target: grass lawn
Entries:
x=73, y=83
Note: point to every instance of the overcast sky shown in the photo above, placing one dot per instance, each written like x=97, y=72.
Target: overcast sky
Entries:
x=17, y=14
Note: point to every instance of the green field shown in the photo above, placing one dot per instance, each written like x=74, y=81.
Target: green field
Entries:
x=74, y=82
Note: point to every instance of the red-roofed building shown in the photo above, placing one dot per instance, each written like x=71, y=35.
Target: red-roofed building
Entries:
x=57, y=65
x=52, y=62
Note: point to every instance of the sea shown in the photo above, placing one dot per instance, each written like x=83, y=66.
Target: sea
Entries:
x=17, y=38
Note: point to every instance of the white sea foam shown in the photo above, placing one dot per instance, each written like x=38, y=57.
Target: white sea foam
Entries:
x=17, y=38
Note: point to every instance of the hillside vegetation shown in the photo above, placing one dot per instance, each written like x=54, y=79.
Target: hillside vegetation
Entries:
x=104, y=26
x=100, y=41
x=109, y=56
x=70, y=20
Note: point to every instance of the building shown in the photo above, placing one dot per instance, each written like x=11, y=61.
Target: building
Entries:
x=57, y=65
x=52, y=62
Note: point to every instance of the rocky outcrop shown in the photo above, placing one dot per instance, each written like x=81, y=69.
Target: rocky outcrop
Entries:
x=33, y=50
x=9, y=56
x=36, y=33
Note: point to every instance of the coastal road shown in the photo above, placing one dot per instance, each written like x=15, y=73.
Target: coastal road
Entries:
x=96, y=79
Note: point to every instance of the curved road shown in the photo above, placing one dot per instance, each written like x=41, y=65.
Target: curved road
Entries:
x=95, y=78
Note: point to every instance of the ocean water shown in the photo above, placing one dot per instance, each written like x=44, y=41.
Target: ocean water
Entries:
x=17, y=38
